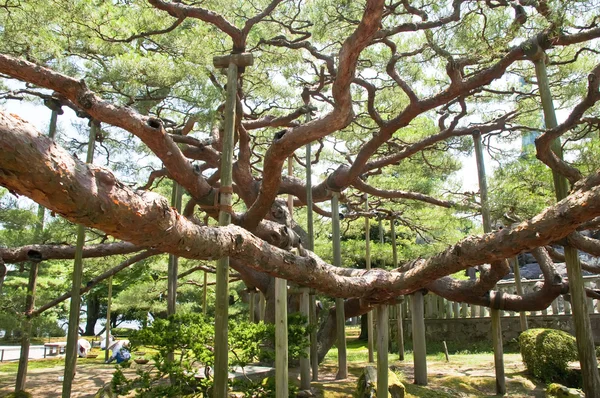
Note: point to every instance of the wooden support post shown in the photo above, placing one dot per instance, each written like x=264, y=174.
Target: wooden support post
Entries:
x=173, y=260
x=314, y=360
x=400, y=327
x=31, y=285
x=173, y=268
x=487, y=227
x=498, y=352
x=522, y=314
x=73, y=331
x=368, y=266
x=581, y=318
x=281, y=339
x=261, y=307
x=305, y=361
x=205, y=294
x=314, y=354
x=340, y=315
x=400, y=337
x=381, y=239
x=382, y=351
x=251, y=299
x=107, y=326
x=232, y=63
x=418, y=332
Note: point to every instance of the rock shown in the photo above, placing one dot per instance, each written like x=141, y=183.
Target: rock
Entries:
x=531, y=271
x=556, y=390
x=105, y=392
x=367, y=384
x=305, y=394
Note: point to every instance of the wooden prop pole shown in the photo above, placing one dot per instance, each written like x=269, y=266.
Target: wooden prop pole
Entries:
x=305, y=361
x=314, y=355
x=418, y=332
x=205, y=294
x=173, y=260
x=522, y=314
x=340, y=315
x=231, y=62
x=107, y=338
x=281, y=339
x=400, y=328
x=370, y=345
x=31, y=285
x=261, y=307
x=487, y=227
x=382, y=351
x=581, y=319
x=73, y=332
x=310, y=245
x=251, y=299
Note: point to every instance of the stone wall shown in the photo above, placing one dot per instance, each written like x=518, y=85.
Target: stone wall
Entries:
x=475, y=329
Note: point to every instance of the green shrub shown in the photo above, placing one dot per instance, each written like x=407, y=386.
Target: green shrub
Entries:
x=121, y=332
x=262, y=389
x=191, y=338
x=547, y=352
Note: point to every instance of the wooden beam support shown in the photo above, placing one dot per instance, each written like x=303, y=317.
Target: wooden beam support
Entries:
x=305, y=361
x=487, y=227
x=107, y=327
x=251, y=300
x=418, y=332
x=370, y=345
x=232, y=62
x=382, y=350
x=399, y=326
x=73, y=332
x=519, y=287
x=281, y=339
x=581, y=319
x=340, y=315
x=310, y=245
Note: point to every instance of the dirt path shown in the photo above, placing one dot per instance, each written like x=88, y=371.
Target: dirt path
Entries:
x=47, y=382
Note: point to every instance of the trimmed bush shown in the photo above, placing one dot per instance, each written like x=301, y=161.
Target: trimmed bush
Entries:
x=547, y=352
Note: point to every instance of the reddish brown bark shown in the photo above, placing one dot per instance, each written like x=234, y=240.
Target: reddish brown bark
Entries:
x=36, y=167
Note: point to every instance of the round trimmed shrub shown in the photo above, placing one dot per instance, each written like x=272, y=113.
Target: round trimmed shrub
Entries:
x=547, y=352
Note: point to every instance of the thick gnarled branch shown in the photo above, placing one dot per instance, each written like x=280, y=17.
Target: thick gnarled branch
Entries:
x=34, y=166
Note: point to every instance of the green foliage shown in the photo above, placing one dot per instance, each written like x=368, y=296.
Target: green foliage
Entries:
x=191, y=337
x=522, y=187
x=298, y=332
x=547, y=352
x=247, y=342
x=262, y=389
x=20, y=394
x=122, y=332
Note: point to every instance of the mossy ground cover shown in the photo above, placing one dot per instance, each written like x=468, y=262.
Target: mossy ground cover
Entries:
x=469, y=372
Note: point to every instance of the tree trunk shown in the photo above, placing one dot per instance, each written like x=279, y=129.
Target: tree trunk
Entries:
x=363, y=328
x=326, y=335
x=93, y=313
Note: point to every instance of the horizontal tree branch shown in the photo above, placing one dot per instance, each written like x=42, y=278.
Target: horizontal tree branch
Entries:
x=34, y=166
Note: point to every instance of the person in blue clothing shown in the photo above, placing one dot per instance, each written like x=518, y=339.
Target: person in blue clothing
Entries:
x=120, y=351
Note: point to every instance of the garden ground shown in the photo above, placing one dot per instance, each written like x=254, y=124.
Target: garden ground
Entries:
x=467, y=374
